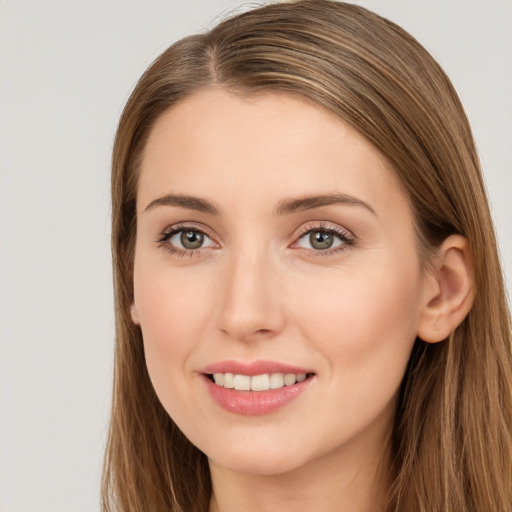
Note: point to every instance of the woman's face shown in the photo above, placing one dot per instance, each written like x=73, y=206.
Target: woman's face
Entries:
x=273, y=243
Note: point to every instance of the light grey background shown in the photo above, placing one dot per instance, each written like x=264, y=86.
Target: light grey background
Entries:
x=66, y=69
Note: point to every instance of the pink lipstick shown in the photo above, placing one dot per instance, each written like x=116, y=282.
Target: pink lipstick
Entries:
x=257, y=388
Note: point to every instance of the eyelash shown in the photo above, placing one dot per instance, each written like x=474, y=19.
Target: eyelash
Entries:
x=173, y=230
x=347, y=239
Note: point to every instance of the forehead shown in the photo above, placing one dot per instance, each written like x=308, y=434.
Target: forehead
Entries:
x=257, y=148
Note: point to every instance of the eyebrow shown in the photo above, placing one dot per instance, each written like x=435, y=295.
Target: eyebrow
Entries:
x=307, y=203
x=284, y=207
x=189, y=202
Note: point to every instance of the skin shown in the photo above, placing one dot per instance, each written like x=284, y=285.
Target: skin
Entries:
x=258, y=290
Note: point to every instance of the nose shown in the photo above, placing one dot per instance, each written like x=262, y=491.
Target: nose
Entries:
x=250, y=298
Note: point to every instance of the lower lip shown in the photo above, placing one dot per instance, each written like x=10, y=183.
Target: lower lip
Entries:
x=255, y=403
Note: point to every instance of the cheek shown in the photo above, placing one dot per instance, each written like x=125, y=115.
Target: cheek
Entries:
x=365, y=333
x=170, y=304
x=359, y=303
x=366, y=326
x=172, y=315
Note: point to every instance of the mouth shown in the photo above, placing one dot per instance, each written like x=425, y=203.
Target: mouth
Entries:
x=258, y=383
x=257, y=388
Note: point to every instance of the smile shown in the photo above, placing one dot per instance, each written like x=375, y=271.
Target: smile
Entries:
x=263, y=382
x=257, y=388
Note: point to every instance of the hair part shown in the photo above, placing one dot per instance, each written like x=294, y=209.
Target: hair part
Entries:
x=452, y=436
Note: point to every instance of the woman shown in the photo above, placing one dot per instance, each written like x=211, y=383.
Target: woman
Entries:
x=310, y=308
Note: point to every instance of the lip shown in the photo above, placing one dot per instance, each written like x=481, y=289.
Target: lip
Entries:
x=254, y=403
x=254, y=368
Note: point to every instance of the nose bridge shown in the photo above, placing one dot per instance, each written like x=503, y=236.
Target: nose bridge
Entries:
x=250, y=302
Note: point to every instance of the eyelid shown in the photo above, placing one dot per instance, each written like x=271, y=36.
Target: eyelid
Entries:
x=323, y=225
x=347, y=238
x=170, y=231
x=183, y=226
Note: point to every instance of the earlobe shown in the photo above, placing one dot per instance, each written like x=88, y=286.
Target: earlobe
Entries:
x=134, y=314
x=449, y=290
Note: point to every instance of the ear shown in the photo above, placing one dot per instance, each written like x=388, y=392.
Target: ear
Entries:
x=449, y=290
x=134, y=314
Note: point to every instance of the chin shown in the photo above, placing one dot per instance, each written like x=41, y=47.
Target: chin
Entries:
x=260, y=462
x=258, y=454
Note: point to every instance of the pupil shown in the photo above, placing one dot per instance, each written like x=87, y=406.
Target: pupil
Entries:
x=320, y=240
x=191, y=239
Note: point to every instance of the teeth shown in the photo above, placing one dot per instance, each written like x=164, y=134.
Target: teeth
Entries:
x=229, y=380
x=262, y=382
x=290, y=379
x=219, y=379
x=276, y=380
x=242, y=382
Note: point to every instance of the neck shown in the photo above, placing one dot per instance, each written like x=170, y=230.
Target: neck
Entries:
x=345, y=480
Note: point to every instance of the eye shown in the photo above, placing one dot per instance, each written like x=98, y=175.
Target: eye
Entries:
x=324, y=239
x=182, y=239
x=320, y=240
x=189, y=239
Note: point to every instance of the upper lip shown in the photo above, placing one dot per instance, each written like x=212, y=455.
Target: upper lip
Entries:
x=253, y=368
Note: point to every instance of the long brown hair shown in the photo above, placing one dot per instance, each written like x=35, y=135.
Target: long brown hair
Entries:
x=452, y=434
